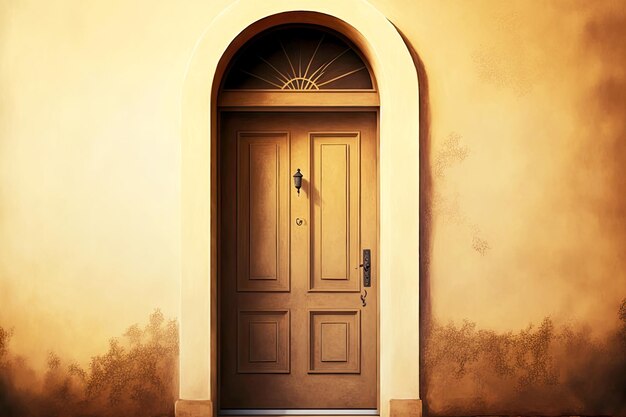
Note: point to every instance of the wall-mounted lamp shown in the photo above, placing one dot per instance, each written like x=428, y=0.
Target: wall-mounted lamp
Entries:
x=297, y=180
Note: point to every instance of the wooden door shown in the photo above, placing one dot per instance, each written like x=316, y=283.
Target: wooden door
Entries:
x=294, y=331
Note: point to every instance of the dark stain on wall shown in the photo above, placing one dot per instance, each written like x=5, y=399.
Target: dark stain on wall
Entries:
x=540, y=370
x=604, y=113
x=446, y=204
x=479, y=244
x=555, y=368
x=452, y=152
x=507, y=60
x=138, y=376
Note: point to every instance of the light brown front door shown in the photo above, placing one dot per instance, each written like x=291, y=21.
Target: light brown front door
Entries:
x=296, y=329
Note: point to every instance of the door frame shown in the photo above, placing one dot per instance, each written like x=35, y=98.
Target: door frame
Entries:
x=397, y=82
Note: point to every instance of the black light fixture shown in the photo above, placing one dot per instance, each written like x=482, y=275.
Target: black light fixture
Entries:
x=297, y=180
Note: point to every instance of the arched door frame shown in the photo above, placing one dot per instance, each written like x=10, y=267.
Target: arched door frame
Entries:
x=397, y=82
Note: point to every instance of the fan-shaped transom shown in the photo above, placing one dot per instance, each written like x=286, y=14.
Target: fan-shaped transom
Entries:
x=298, y=58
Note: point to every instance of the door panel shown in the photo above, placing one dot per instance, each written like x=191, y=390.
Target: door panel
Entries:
x=335, y=342
x=262, y=212
x=293, y=331
x=335, y=211
x=263, y=342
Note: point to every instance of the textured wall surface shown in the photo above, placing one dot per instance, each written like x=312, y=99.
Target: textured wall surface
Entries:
x=524, y=207
x=526, y=213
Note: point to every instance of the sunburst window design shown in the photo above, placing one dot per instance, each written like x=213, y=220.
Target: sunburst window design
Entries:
x=298, y=59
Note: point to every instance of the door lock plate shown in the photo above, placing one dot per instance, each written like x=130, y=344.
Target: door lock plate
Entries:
x=367, y=268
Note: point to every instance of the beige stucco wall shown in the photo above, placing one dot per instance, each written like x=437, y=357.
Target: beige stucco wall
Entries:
x=527, y=214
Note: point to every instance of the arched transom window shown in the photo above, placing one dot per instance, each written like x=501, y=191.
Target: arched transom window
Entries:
x=298, y=58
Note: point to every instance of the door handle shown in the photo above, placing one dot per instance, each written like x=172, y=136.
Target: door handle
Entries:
x=367, y=267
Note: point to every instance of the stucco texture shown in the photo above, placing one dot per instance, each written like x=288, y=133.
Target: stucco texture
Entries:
x=523, y=209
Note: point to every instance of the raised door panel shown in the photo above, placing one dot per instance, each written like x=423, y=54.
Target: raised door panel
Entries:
x=334, y=342
x=263, y=342
x=335, y=212
x=262, y=212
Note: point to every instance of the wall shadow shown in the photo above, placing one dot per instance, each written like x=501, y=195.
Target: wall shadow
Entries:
x=602, y=111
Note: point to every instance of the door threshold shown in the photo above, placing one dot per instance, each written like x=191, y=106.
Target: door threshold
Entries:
x=299, y=412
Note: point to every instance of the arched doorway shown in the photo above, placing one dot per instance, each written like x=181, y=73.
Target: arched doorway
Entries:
x=398, y=179
x=298, y=257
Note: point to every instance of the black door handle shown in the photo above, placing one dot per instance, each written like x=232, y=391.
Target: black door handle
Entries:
x=367, y=270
